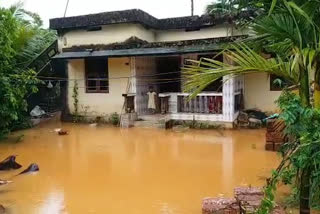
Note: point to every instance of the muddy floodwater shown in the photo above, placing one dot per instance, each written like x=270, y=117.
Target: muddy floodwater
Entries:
x=137, y=171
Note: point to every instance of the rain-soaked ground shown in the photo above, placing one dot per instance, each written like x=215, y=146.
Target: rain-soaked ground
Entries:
x=137, y=171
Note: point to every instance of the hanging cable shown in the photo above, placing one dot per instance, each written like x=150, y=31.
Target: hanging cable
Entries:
x=123, y=77
x=146, y=84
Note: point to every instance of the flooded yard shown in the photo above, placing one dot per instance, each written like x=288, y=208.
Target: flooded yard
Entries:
x=137, y=171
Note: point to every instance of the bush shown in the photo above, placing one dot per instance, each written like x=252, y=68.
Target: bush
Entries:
x=19, y=46
x=192, y=124
x=23, y=122
x=114, y=119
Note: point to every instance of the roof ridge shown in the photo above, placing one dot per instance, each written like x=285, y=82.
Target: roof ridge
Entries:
x=135, y=16
x=107, y=12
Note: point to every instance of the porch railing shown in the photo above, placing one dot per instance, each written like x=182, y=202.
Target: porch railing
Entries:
x=204, y=103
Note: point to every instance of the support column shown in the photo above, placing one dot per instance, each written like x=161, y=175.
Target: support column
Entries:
x=228, y=94
x=133, y=80
x=228, y=99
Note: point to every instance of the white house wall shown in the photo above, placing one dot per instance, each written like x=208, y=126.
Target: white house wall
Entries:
x=121, y=32
x=109, y=34
x=203, y=33
x=257, y=92
x=99, y=104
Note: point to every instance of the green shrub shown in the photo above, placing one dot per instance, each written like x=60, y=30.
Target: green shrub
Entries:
x=114, y=119
x=20, y=44
x=192, y=124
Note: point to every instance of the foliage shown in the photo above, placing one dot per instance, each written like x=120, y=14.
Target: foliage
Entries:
x=301, y=152
x=18, y=32
x=288, y=31
x=75, y=97
x=13, y=89
x=233, y=8
x=306, y=147
x=245, y=61
x=230, y=7
x=32, y=39
x=114, y=119
x=193, y=124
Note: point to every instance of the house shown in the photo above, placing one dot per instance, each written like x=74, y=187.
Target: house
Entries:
x=115, y=55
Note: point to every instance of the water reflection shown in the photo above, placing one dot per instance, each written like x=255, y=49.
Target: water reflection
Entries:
x=53, y=204
x=108, y=170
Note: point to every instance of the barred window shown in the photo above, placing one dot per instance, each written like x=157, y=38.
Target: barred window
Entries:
x=97, y=75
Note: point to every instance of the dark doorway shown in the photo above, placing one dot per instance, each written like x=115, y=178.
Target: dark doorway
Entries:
x=169, y=75
x=216, y=85
x=49, y=94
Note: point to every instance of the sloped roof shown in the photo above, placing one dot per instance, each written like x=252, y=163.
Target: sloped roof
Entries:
x=136, y=16
x=138, y=52
x=136, y=43
x=134, y=47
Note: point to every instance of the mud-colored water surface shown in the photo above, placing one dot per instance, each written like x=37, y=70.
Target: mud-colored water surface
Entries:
x=136, y=171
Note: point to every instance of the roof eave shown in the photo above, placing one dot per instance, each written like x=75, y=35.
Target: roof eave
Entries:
x=139, y=52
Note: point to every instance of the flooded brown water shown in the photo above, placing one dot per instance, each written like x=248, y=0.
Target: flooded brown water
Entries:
x=136, y=171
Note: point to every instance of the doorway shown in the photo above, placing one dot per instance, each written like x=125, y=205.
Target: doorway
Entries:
x=169, y=74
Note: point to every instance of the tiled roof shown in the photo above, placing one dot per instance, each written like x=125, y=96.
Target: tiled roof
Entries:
x=135, y=16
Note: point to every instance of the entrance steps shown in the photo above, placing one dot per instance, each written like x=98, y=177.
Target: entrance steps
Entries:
x=151, y=121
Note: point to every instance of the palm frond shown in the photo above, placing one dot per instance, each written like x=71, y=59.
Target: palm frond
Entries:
x=273, y=5
x=244, y=60
x=277, y=28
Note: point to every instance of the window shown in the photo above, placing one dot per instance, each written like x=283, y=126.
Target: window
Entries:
x=277, y=83
x=97, y=75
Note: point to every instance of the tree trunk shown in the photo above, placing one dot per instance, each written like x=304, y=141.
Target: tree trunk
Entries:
x=305, y=192
x=304, y=90
x=192, y=7
x=304, y=93
x=316, y=94
x=306, y=174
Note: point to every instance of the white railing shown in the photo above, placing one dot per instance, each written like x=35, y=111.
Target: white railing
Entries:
x=205, y=103
x=205, y=107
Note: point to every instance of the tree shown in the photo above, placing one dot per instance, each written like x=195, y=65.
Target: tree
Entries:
x=289, y=32
x=21, y=39
x=234, y=7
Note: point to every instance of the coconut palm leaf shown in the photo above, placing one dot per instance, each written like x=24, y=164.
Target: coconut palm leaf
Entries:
x=289, y=30
x=244, y=60
x=291, y=24
x=31, y=39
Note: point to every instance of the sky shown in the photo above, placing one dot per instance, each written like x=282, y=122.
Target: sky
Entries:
x=48, y=9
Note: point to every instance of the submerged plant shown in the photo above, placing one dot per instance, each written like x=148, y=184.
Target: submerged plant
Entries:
x=114, y=119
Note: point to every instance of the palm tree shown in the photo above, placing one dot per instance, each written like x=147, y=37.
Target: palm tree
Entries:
x=221, y=6
x=31, y=38
x=234, y=7
x=289, y=31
